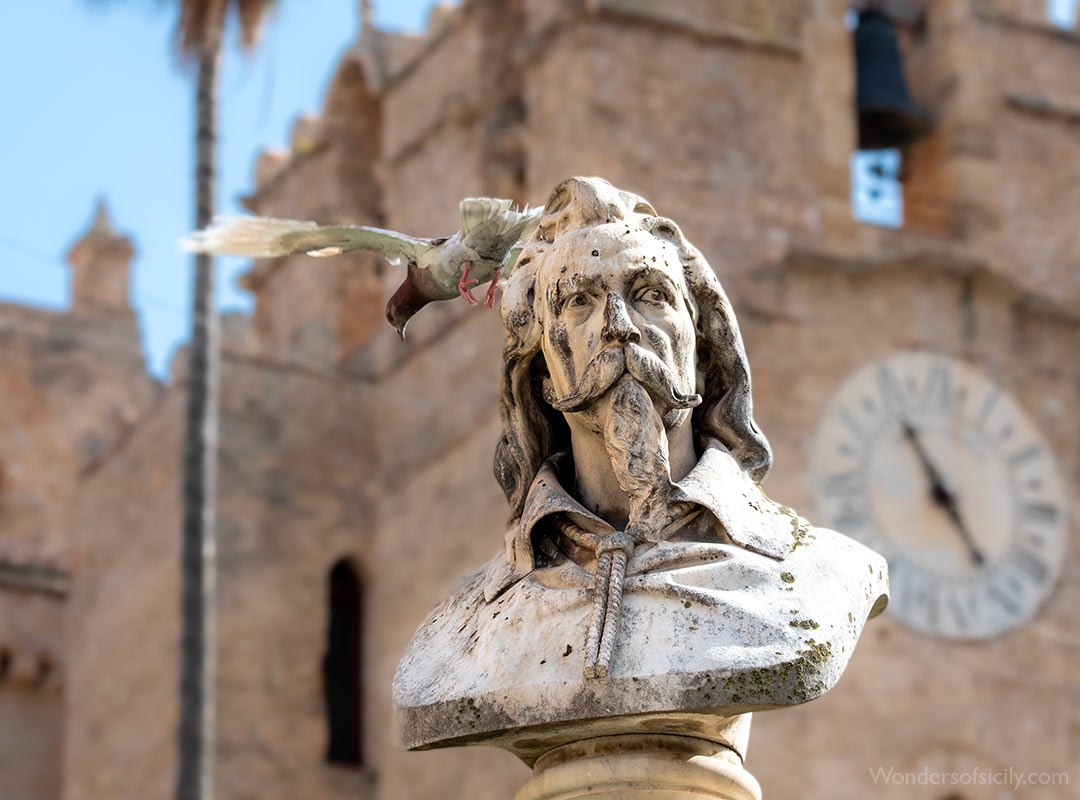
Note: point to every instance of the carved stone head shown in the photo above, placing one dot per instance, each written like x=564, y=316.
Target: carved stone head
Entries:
x=607, y=292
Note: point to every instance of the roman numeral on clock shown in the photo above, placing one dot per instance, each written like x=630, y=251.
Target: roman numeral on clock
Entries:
x=937, y=394
x=1040, y=513
x=1030, y=565
x=892, y=393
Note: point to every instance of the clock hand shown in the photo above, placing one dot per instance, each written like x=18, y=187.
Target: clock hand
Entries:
x=941, y=495
x=947, y=500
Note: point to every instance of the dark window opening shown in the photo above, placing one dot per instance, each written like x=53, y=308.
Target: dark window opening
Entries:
x=44, y=669
x=342, y=666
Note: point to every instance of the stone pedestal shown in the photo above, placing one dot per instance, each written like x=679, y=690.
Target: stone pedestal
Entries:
x=658, y=767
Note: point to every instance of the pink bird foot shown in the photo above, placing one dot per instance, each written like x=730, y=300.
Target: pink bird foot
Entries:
x=465, y=283
x=489, y=298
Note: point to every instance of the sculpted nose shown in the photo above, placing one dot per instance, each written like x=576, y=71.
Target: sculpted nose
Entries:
x=618, y=327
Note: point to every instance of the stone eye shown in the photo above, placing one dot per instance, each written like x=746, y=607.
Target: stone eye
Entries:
x=654, y=295
x=579, y=300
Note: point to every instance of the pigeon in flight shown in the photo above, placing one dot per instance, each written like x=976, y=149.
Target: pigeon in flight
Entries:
x=438, y=269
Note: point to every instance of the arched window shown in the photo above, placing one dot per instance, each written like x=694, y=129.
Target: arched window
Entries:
x=343, y=665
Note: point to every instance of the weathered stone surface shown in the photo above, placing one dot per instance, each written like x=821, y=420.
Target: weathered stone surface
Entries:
x=125, y=625
x=32, y=672
x=733, y=633
x=73, y=388
x=717, y=599
x=642, y=766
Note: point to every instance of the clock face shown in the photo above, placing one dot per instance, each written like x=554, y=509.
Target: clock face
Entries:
x=929, y=462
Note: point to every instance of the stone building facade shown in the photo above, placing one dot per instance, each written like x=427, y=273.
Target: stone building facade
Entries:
x=344, y=448
x=73, y=388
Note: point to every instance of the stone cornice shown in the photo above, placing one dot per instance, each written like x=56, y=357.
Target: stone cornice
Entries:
x=950, y=260
x=35, y=579
x=1042, y=107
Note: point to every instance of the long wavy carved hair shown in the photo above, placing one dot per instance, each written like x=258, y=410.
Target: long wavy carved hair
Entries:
x=532, y=430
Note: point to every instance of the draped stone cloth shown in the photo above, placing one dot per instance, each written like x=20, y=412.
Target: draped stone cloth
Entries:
x=739, y=605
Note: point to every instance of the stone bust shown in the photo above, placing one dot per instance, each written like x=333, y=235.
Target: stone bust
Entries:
x=645, y=578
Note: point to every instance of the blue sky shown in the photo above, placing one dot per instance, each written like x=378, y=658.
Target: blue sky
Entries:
x=96, y=104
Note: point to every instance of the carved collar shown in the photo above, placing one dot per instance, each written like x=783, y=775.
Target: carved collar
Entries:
x=716, y=484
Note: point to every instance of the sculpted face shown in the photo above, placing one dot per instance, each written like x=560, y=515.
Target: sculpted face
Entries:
x=611, y=303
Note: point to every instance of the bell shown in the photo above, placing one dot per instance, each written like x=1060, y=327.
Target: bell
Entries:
x=888, y=117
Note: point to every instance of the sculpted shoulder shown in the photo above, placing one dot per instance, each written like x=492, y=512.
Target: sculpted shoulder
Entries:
x=723, y=630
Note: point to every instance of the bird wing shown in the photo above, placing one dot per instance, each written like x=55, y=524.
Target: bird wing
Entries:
x=491, y=226
x=266, y=237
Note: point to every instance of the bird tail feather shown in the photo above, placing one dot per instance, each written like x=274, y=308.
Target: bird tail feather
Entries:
x=477, y=210
x=527, y=221
x=511, y=224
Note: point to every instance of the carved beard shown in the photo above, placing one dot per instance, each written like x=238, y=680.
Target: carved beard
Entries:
x=634, y=432
x=638, y=447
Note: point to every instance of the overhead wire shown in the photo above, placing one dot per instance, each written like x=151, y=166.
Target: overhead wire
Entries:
x=52, y=261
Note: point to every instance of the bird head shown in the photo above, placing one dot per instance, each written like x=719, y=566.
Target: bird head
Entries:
x=396, y=317
x=406, y=301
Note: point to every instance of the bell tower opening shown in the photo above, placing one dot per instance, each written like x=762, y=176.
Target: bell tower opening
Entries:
x=343, y=666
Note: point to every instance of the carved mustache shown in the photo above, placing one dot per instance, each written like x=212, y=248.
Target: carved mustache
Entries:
x=608, y=366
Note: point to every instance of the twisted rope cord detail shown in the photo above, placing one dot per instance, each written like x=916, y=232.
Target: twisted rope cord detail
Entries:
x=612, y=615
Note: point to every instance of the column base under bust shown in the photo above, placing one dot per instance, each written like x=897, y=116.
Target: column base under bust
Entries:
x=641, y=765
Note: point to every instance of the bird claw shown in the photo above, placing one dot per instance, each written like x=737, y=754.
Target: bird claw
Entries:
x=489, y=298
x=465, y=283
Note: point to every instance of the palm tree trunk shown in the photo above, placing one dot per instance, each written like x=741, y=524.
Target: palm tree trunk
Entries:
x=194, y=779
